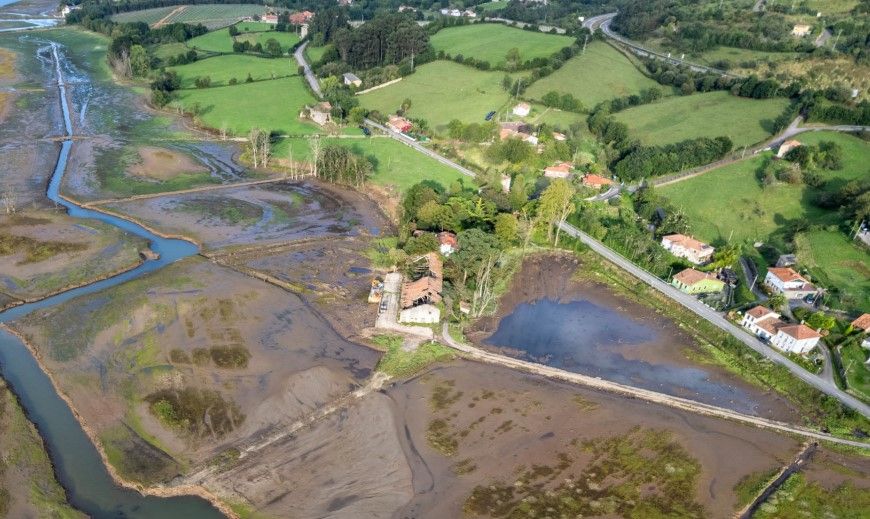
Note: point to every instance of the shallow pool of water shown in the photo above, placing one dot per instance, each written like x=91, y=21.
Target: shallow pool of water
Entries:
x=584, y=337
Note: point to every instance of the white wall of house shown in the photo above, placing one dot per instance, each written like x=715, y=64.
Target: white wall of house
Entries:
x=751, y=324
x=786, y=342
x=696, y=257
x=421, y=314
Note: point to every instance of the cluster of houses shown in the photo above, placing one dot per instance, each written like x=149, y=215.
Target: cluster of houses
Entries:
x=768, y=326
x=566, y=170
x=456, y=13
x=298, y=18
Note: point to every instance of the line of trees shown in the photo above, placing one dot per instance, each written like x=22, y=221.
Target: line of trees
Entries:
x=386, y=39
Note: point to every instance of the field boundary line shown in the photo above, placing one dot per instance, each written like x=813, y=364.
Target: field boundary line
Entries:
x=163, y=21
x=376, y=87
x=186, y=191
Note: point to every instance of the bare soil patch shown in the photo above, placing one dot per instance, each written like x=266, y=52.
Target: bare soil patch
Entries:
x=163, y=164
x=471, y=426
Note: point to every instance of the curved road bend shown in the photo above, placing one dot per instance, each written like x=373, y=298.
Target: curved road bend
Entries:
x=309, y=75
x=675, y=402
x=602, y=22
x=718, y=320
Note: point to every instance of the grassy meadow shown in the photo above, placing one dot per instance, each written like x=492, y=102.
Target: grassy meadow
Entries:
x=491, y=42
x=673, y=119
x=442, y=91
x=214, y=41
x=835, y=261
x=271, y=105
x=600, y=74
x=286, y=39
x=315, y=53
x=396, y=165
x=223, y=68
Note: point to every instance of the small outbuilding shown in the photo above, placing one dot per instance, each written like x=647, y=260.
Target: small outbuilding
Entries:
x=351, y=79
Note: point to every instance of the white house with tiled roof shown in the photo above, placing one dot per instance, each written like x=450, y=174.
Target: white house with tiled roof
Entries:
x=795, y=338
x=786, y=281
x=762, y=321
x=683, y=246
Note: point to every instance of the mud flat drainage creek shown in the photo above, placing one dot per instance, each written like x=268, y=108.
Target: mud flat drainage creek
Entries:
x=78, y=465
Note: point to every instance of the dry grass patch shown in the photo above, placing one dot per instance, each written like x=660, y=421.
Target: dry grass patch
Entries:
x=162, y=164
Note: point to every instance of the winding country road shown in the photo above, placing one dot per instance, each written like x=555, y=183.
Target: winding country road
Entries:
x=309, y=75
x=685, y=300
x=714, y=317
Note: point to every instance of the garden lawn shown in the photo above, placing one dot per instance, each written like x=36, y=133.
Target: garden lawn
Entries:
x=838, y=264
x=712, y=114
x=601, y=73
x=396, y=165
x=731, y=199
x=223, y=68
x=272, y=105
x=440, y=92
x=491, y=42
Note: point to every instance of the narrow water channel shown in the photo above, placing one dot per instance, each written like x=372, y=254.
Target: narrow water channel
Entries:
x=77, y=463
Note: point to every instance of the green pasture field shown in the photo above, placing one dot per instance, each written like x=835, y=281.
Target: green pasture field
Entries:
x=315, y=53
x=286, y=39
x=442, y=91
x=730, y=201
x=223, y=68
x=712, y=114
x=396, y=165
x=835, y=261
x=272, y=105
x=736, y=56
x=254, y=27
x=214, y=41
x=493, y=6
x=601, y=73
x=491, y=41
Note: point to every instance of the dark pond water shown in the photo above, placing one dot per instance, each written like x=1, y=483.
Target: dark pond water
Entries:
x=587, y=338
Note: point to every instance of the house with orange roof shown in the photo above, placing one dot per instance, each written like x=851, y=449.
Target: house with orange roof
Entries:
x=862, y=323
x=795, y=338
x=762, y=322
x=301, y=18
x=420, y=296
x=687, y=247
x=596, y=181
x=691, y=281
x=786, y=281
x=399, y=124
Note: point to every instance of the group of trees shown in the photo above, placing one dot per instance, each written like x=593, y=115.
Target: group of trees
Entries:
x=565, y=101
x=472, y=132
x=388, y=38
x=340, y=165
x=650, y=161
x=618, y=104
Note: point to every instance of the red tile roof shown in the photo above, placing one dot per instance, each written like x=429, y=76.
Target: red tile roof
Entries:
x=686, y=242
x=800, y=331
x=562, y=167
x=448, y=238
x=862, y=322
x=786, y=274
x=691, y=276
x=759, y=311
x=596, y=180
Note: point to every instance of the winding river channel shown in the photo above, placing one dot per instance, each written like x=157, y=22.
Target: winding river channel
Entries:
x=78, y=465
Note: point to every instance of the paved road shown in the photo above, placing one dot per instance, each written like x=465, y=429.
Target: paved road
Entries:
x=827, y=373
x=309, y=75
x=718, y=320
x=404, y=139
x=675, y=402
x=603, y=22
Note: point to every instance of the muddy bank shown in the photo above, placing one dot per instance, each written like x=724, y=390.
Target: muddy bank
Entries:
x=193, y=329
x=550, y=317
x=49, y=252
x=262, y=214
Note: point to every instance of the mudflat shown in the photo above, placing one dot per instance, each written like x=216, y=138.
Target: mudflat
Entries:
x=163, y=164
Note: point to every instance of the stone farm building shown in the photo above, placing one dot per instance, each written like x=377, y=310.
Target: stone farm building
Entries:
x=689, y=248
x=321, y=113
x=351, y=79
x=786, y=281
x=691, y=281
x=768, y=326
x=420, y=296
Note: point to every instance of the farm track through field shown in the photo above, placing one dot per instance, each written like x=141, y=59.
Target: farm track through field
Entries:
x=163, y=21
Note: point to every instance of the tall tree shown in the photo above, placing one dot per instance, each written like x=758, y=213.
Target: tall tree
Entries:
x=555, y=205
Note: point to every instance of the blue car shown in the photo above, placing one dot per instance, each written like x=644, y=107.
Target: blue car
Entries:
x=490, y=115
x=365, y=130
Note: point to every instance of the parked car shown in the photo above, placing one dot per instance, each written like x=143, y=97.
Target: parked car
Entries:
x=490, y=115
x=365, y=130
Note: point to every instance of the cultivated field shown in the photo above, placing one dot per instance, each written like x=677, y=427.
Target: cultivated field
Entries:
x=221, y=69
x=396, y=165
x=600, y=74
x=442, y=91
x=745, y=121
x=270, y=105
x=210, y=15
x=491, y=41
